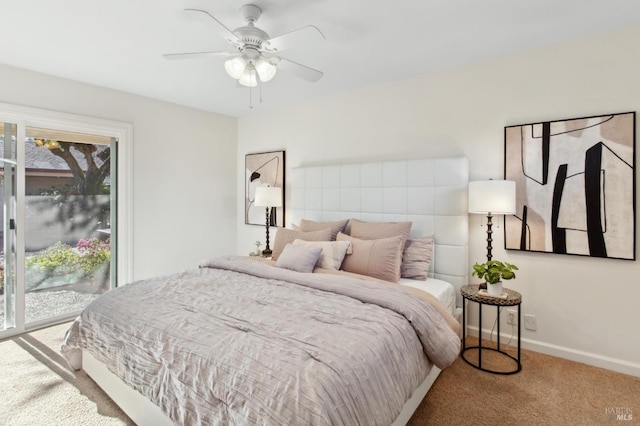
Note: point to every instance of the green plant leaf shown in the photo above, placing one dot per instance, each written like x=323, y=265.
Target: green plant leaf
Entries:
x=493, y=271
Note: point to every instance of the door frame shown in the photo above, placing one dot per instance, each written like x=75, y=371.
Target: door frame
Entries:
x=34, y=117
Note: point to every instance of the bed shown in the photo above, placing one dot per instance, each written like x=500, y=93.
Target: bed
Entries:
x=265, y=344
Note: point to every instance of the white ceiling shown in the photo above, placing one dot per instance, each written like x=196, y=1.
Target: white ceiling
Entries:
x=119, y=43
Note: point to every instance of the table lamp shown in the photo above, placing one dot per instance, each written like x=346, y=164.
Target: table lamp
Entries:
x=268, y=197
x=492, y=197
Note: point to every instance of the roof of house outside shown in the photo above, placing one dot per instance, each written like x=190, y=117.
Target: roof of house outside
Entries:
x=42, y=159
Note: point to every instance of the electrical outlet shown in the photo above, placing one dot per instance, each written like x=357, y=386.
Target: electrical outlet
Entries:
x=530, y=322
x=512, y=316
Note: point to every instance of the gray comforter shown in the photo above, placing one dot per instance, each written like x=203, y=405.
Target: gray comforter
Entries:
x=241, y=342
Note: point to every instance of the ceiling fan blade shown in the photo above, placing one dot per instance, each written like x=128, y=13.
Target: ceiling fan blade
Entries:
x=300, y=70
x=189, y=55
x=300, y=37
x=225, y=32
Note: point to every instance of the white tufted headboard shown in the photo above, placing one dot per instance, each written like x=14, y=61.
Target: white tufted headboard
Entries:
x=432, y=193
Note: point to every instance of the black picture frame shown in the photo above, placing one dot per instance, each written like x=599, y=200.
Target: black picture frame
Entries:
x=264, y=169
x=575, y=186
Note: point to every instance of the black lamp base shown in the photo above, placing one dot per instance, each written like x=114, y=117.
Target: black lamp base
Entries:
x=483, y=286
x=267, y=250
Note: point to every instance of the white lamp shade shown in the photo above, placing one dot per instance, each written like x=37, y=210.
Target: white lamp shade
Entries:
x=492, y=196
x=268, y=196
x=249, y=77
x=265, y=70
x=235, y=67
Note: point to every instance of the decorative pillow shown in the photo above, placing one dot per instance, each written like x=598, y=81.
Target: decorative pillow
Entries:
x=333, y=252
x=417, y=257
x=376, y=230
x=285, y=236
x=299, y=258
x=379, y=258
x=337, y=226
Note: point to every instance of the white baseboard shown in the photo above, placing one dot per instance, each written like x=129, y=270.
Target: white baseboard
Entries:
x=614, y=364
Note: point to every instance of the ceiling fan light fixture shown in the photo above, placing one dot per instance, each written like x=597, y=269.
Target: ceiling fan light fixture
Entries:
x=236, y=67
x=247, y=64
x=249, y=77
x=265, y=69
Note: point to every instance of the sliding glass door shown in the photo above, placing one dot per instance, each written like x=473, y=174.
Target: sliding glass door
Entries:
x=59, y=189
x=68, y=204
x=8, y=299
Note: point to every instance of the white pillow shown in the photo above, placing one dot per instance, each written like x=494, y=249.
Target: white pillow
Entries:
x=298, y=258
x=333, y=252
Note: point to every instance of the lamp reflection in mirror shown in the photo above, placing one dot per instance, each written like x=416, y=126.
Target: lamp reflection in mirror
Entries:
x=492, y=197
x=268, y=197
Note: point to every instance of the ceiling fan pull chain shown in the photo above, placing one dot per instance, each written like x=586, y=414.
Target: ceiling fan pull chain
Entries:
x=250, y=103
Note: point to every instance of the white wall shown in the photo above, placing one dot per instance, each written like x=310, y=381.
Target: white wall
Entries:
x=586, y=309
x=183, y=167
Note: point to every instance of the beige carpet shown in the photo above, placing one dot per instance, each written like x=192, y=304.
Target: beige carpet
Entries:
x=38, y=388
x=548, y=391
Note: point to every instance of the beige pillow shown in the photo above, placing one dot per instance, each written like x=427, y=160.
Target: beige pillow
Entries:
x=285, y=235
x=376, y=230
x=379, y=258
x=417, y=257
x=337, y=226
x=333, y=252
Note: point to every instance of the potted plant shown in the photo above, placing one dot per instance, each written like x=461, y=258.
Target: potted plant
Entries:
x=493, y=271
x=257, y=251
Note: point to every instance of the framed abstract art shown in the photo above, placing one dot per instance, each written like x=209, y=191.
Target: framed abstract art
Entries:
x=263, y=169
x=575, y=186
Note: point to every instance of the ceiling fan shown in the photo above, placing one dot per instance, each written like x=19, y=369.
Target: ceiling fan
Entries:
x=255, y=58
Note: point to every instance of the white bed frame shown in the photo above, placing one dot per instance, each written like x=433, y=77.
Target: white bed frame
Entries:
x=432, y=193
x=145, y=413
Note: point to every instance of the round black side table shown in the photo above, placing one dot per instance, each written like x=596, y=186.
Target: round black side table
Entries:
x=470, y=292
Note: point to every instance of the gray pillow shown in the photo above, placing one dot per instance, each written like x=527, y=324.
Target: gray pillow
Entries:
x=299, y=258
x=417, y=258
